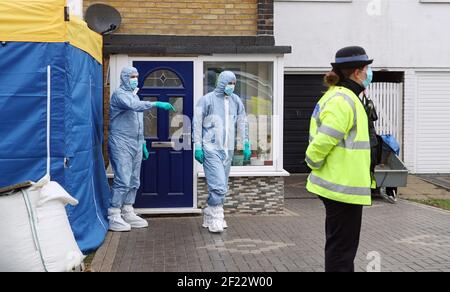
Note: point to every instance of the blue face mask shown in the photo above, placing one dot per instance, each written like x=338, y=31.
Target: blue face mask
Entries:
x=369, y=78
x=133, y=83
x=229, y=89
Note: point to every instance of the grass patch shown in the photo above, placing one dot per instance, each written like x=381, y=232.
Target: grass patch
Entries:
x=439, y=203
x=88, y=262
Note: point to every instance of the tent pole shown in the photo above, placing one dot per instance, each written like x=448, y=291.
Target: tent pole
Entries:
x=48, y=118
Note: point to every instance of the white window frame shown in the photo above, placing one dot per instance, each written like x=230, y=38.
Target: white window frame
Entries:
x=278, y=109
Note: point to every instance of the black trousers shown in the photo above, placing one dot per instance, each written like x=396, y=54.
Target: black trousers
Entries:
x=342, y=228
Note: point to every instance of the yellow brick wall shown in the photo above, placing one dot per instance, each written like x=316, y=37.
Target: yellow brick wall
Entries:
x=186, y=17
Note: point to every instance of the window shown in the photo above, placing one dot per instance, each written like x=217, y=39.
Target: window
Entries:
x=163, y=79
x=176, y=118
x=150, y=120
x=255, y=88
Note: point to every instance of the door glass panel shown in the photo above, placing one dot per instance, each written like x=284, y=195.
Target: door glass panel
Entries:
x=150, y=120
x=163, y=79
x=176, y=118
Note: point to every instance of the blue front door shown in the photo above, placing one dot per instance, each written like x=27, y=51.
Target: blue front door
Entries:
x=167, y=176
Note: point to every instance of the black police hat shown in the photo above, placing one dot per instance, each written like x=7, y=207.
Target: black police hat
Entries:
x=351, y=57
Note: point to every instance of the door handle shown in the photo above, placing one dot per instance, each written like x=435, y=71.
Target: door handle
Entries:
x=163, y=144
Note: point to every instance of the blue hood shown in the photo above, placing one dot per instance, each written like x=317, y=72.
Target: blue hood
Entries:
x=125, y=77
x=224, y=78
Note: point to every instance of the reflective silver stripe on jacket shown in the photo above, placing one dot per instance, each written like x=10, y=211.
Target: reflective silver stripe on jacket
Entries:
x=359, y=191
x=331, y=132
x=314, y=164
x=358, y=145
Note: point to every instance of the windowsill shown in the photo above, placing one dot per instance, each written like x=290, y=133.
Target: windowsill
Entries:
x=239, y=173
x=252, y=173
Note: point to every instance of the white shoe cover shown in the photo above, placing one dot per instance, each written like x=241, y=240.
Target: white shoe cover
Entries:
x=131, y=218
x=116, y=223
x=213, y=219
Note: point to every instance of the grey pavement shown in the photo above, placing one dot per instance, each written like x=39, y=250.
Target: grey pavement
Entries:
x=442, y=180
x=426, y=187
x=402, y=237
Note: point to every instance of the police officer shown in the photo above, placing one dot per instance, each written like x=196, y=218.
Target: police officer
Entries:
x=339, y=155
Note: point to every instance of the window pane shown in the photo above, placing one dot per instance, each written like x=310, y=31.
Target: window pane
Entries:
x=163, y=79
x=150, y=120
x=255, y=88
x=176, y=118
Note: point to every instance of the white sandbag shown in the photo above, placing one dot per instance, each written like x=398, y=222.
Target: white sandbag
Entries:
x=35, y=234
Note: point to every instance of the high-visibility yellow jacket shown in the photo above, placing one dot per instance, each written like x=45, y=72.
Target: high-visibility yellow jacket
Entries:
x=339, y=149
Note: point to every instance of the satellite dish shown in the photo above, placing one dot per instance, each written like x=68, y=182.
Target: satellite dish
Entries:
x=102, y=18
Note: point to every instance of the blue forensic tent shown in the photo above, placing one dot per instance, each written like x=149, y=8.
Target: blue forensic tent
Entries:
x=51, y=109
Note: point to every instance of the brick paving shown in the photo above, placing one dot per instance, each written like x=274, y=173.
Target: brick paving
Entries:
x=407, y=237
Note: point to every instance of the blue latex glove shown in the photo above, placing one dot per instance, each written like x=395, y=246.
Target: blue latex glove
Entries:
x=145, y=153
x=247, y=150
x=164, y=105
x=199, y=155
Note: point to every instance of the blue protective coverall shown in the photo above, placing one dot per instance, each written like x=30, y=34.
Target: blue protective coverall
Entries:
x=126, y=137
x=214, y=130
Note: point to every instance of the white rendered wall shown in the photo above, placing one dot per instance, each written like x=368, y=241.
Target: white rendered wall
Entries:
x=396, y=33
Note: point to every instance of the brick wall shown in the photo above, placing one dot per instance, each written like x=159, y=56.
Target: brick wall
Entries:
x=265, y=17
x=249, y=195
x=187, y=17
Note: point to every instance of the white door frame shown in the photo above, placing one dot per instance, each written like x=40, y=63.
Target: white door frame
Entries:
x=117, y=62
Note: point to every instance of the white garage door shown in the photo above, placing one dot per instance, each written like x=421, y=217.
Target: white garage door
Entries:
x=433, y=123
